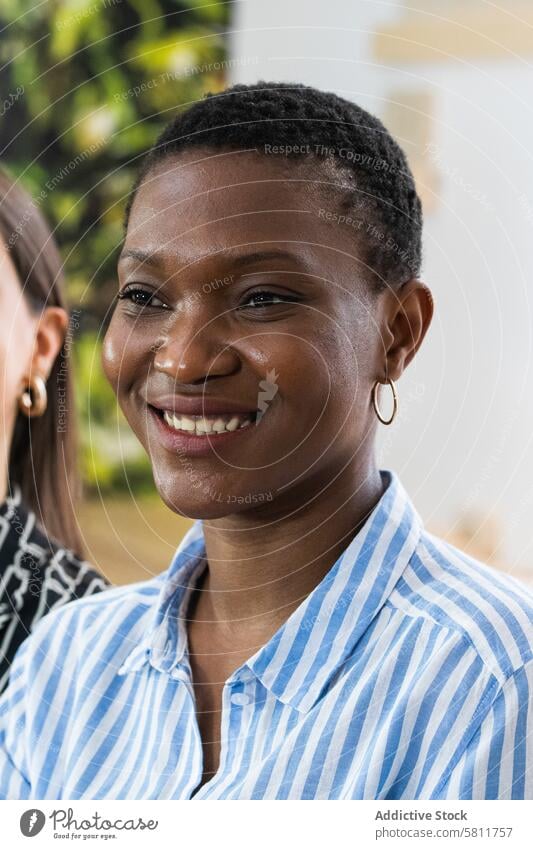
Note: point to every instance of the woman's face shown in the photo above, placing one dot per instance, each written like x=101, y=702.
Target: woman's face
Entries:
x=208, y=232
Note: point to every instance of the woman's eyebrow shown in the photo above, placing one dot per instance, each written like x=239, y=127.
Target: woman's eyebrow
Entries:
x=237, y=262
x=141, y=256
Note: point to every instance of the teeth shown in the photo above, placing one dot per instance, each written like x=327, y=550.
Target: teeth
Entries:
x=184, y=423
x=204, y=425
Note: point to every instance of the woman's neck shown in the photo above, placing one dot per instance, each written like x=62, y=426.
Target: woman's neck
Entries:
x=261, y=567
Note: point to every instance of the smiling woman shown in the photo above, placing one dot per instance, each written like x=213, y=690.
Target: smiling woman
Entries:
x=310, y=638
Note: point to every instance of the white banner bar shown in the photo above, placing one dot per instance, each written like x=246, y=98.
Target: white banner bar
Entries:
x=268, y=824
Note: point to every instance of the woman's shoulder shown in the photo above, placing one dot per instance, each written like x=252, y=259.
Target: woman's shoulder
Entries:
x=65, y=573
x=30, y=558
x=126, y=598
x=115, y=616
x=490, y=608
x=38, y=576
x=475, y=573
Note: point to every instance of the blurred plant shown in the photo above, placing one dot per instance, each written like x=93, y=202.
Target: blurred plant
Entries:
x=99, y=79
x=111, y=457
x=85, y=87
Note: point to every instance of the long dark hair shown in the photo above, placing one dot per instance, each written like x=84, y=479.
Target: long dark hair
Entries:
x=42, y=459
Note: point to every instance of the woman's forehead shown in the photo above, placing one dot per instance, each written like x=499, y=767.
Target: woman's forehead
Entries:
x=203, y=200
x=204, y=178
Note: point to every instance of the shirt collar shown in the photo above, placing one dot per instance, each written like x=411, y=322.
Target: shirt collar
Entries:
x=165, y=642
x=307, y=651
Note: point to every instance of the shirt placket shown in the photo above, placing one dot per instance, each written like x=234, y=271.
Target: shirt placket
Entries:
x=236, y=714
x=182, y=673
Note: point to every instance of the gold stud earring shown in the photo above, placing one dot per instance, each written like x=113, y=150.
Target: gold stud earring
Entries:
x=34, y=397
x=394, y=401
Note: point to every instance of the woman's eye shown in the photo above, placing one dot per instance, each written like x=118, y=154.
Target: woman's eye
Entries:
x=141, y=297
x=265, y=298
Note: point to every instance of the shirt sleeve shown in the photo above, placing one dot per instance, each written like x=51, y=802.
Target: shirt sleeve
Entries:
x=497, y=762
x=27, y=707
x=14, y=782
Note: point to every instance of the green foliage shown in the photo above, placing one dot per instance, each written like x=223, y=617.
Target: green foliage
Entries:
x=111, y=457
x=100, y=79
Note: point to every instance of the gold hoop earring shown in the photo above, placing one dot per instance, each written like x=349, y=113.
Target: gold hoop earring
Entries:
x=394, y=401
x=34, y=398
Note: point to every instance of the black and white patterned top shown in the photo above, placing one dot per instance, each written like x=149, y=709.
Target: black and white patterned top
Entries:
x=36, y=576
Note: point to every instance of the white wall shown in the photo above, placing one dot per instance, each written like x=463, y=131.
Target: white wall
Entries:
x=464, y=440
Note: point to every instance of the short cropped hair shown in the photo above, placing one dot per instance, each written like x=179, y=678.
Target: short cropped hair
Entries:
x=377, y=196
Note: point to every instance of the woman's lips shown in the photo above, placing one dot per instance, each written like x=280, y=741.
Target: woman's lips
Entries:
x=192, y=444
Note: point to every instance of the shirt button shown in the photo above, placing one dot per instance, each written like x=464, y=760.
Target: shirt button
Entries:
x=178, y=674
x=240, y=699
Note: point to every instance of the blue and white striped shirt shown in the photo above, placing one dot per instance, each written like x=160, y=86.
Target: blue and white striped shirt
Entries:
x=407, y=673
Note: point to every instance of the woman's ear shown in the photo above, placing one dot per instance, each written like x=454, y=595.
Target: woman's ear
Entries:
x=410, y=314
x=51, y=327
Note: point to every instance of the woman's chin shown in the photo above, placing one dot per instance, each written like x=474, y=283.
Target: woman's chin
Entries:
x=202, y=502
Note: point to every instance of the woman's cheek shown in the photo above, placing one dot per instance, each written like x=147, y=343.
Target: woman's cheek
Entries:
x=110, y=357
x=125, y=355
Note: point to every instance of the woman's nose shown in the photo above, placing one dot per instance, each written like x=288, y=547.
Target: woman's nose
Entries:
x=192, y=354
